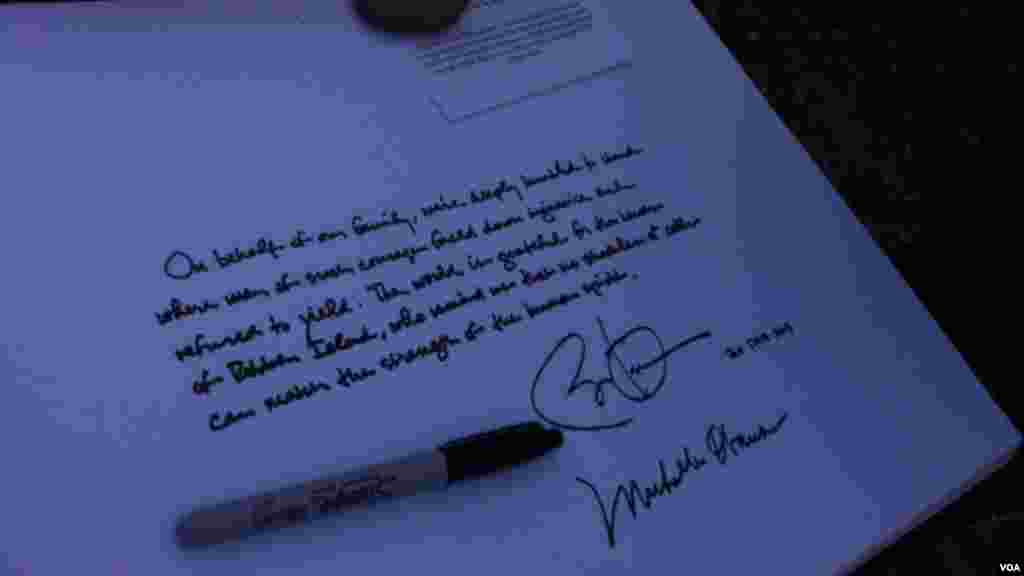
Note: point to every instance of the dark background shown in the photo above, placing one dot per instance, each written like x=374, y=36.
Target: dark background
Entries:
x=911, y=118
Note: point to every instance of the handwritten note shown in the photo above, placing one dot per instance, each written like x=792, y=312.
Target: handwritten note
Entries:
x=484, y=269
x=245, y=256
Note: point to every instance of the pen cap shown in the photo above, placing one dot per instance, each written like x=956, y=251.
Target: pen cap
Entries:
x=488, y=452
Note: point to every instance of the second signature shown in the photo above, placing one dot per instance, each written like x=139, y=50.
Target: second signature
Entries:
x=636, y=382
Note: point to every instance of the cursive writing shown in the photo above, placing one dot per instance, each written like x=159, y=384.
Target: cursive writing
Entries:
x=263, y=247
x=330, y=273
x=385, y=293
x=440, y=274
x=636, y=392
x=406, y=319
x=181, y=266
x=218, y=422
x=295, y=393
x=199, y=346
x=407, y=254
x=546, y=211
x=720, y=445
x=242, y=370
x=496, y=192
x=339, y=343
x=441, y=205
x=723, y=445
x=178, y=310
x=348, y=376
x=390, y=218
x=613, y=157
x=331, y=308
x=499, y=225
x=244, y=295
x=603, y=280
x=460, y=300
x=509, y=257
x=563, y=299
x=205, y=383
x=438, y=347
x=614, y=189
x=440, y=239
x=554, y=172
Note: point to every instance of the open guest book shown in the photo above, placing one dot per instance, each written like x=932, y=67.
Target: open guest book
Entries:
x=249, y=244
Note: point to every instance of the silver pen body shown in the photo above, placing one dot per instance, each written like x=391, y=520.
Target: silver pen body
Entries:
x=300, y=503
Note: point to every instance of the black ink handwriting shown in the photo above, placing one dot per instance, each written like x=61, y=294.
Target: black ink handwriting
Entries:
x=497, y=192
x=563, y=299
x=502, y=287
x=388, y=219
x=439, y=274
x=440, y=239
x=637, y=392
x=460, y=300
x=339, y=343
x=177, y=310
x=406, y=319
x=332, y=273
x=509, y=257
x=723, y=445
x=348, y=376
x=615, y=188
x=546, y=211
x=218, y=422
x=611, y=158
x=237, y=255
x=295, y=393
x=244, y=295
x=532, y=278
x=385, y=294
x=680, y=224
x=331, y=308
x=199, y=346
x=205, y=383
x=438, y=347
x=441, y=205
x=180, y=266
x=242, y=370
x=632, y=493
x=556, y=171
x=603, y=280
x=499, y=225
x=720, y=445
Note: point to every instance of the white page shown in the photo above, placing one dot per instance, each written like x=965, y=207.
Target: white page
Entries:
x=122, y=147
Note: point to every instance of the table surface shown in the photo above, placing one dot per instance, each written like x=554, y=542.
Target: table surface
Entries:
x=901, y=111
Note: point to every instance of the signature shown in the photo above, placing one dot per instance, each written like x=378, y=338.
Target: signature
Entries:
x=637, y=496
x=637, y=383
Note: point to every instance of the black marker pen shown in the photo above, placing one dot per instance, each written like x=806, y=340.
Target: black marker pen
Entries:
x=469, y=457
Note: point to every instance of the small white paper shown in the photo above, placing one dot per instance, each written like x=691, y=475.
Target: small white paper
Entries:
x=506, y=51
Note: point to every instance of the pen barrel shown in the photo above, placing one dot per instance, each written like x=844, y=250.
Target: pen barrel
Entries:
x=303, y=502
x=415, y=473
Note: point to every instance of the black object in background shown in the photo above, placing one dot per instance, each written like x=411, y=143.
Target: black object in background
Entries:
x=410, y=16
